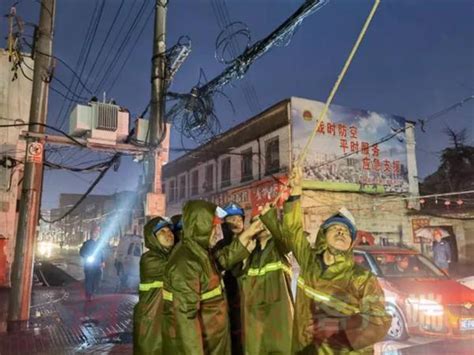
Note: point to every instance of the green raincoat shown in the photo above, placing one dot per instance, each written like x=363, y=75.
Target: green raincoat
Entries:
x=343, y=292
x=198, y=322
x=266, y=304
x=147, y=314
x=229, y=254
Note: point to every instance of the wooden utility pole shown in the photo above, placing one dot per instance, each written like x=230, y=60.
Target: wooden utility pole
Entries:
x=155, y=200
x=22, y=269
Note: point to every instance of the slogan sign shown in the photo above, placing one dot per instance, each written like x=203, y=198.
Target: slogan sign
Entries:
x=34, y=153
x=253, y=197
x=418, y=223
x=353, y=149
x=240, y=196
x=267, y=191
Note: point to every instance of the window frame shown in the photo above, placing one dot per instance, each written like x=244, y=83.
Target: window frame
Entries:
x=227, y=182
x=182, y=189
x=208, y=187
x=246, y=154
x=172, y=191
x=194, y=188
x=270, y=169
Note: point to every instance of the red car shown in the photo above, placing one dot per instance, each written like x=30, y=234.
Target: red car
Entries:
x=422, y=299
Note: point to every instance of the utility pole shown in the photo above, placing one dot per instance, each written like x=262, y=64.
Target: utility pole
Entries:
x=155, y=199
x=22, y=269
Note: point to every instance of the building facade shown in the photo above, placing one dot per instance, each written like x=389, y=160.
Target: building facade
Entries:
x=249, y=165
x=15, y=98
x=111, y=215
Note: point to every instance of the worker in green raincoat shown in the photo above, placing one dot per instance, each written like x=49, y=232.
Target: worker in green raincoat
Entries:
x=177, y=221
x=340, y=306
x=198, y=323
x=159, y=239
x=266, y=303
x=230, y=252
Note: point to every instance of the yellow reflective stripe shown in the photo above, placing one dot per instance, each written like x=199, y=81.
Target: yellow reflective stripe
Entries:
x=268, y=268
x=328, y=300
x=211, y=294
x=167, y=296
x=149, y=286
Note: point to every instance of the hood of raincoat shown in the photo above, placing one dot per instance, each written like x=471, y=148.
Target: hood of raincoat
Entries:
x=151, y=242
x=198, y=218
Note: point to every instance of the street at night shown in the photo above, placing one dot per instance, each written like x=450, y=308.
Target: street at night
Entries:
x=230, y=177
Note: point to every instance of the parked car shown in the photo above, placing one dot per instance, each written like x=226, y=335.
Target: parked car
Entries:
x=421, y=298
x=127, y=260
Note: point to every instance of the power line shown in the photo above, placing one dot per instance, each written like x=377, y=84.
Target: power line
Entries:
x=63, y=62
x=444, y=111
x=51, y=87
x=90, y=37
x=403, y=129
x=121, y=48
x=130, y=51
x=114, y=41
x=46, y=126
x=106, y=38
x=89, y=190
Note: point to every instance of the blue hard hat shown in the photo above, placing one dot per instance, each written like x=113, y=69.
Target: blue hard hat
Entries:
x=162, y=224
x=233, y=209
x=178, y=226
x=340, y=219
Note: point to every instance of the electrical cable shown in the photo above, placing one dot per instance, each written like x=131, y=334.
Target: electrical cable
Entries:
x=88, y=191
x=61, y=61
x=114, y=21
x=111, y=86
x=92, y=34
x=46, y=126
x=121, y=48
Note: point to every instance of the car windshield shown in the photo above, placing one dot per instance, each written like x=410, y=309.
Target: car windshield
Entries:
x=407, y=265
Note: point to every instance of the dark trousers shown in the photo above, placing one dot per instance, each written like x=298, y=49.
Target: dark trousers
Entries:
x=92, y=280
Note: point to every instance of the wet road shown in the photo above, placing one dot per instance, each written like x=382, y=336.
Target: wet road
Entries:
x=70, y=262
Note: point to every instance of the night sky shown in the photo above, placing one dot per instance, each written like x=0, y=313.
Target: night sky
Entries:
x=417, y=58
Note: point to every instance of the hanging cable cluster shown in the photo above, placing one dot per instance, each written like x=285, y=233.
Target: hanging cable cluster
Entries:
x=234, y=32
x=193, y=114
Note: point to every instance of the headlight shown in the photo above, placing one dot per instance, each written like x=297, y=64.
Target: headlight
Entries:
x=90, y=259
x=428, y=307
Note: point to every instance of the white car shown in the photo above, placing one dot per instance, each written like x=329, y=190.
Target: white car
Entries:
x=127, y=260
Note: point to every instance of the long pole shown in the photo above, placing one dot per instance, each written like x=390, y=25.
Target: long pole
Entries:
x=157, y=104
x=22, y=269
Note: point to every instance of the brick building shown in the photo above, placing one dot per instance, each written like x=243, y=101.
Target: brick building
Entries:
x=249, y=164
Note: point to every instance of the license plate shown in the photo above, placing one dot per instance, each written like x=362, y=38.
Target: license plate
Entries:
x=466, y=324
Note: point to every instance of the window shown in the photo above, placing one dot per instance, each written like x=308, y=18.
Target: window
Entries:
x=272, y=156
x=195, y=183
x=247, y=173
x=225, y=172
x=163, y=189
x=208, y=184
x=172, y=191
x=182, y=187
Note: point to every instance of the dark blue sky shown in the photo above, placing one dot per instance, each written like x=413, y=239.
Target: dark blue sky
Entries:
x=417, y=58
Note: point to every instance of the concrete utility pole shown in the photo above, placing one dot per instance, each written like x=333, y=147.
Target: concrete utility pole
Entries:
x=155, y=199
x=22, y=270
